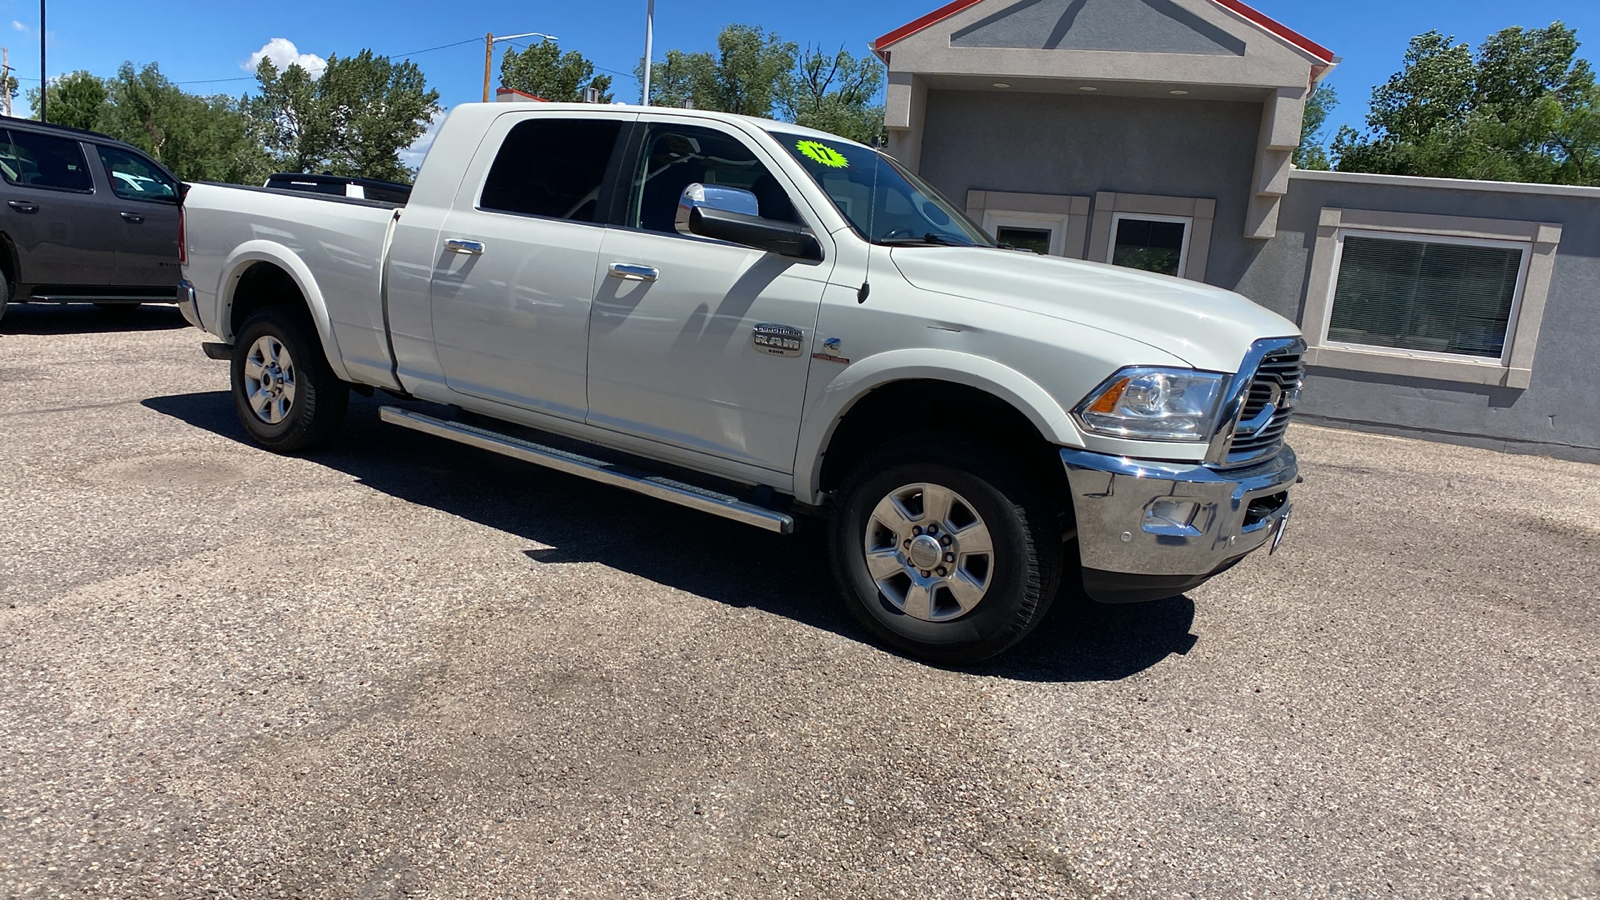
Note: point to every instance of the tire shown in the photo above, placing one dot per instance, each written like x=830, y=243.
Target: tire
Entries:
x=286, y=395
x=5, y=296
x=995, y=591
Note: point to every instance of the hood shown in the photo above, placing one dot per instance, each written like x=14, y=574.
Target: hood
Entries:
x=1206, y=327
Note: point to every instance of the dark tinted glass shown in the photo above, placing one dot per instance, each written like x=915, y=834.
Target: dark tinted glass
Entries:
x=42, y=160
x=135, y=178
x=552, y=167
x=1149, y=245
x=677, y=156
x=1415, y=295
x=1035, y=239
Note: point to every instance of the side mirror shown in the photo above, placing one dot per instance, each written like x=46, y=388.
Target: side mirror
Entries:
x=733, y=215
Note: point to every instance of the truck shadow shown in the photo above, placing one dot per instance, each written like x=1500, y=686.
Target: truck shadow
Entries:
x=574, y=521
x=86, y=318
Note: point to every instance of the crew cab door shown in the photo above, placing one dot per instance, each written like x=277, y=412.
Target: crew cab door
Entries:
x=52, y=213
x=672, y=345
x=514, y=267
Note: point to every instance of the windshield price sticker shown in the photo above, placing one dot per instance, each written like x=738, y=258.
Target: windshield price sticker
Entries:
x=822, y=153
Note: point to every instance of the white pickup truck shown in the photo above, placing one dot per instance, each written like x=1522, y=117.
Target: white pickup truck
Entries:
x=767, y=323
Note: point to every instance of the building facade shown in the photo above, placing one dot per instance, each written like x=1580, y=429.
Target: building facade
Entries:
x=1158, y=134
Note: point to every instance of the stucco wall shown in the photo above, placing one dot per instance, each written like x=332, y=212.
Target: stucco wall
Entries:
x=1558, y=414
x=1078, y=145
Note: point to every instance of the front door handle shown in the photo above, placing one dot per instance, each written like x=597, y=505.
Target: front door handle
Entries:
x=133, y=218
x=632, y=272
x=463, y=247
x=23, y=206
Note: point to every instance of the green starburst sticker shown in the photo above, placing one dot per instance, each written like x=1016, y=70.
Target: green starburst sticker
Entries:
x=822, y=153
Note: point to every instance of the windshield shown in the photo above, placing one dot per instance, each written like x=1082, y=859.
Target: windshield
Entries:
x=885, y=203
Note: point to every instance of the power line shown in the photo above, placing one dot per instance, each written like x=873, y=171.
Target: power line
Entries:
x=390, y=57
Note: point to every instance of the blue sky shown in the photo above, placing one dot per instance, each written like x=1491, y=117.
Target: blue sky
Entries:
x=202, y=43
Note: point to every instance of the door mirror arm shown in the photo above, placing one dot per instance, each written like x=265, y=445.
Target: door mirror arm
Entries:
x=732, y=215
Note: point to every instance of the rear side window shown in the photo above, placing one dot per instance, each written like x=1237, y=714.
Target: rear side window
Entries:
x=136, y=178
x=553, y=168
x=42, y=160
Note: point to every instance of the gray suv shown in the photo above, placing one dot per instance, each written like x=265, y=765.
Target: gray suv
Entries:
x=84, y=219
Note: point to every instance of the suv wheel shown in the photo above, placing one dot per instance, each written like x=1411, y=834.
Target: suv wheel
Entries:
x=286, y=395
x=944, y=549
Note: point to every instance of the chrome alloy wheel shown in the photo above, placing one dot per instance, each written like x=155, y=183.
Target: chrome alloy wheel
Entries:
x=929, y=552
x=269, y=379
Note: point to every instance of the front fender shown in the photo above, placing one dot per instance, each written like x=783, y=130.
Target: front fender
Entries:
x=864, y=376
x=262, y=251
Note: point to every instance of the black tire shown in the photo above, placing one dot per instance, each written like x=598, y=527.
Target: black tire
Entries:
x=316, y=404
x=5, y=296
x=1023, y=569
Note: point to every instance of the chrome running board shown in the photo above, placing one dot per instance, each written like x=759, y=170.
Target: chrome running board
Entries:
x=659, y=487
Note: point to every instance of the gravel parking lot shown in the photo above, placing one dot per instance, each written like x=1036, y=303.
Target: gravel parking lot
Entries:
x=405, y=668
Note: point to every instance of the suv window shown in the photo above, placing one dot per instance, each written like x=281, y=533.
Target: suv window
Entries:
x=553, y=168
x=677, y=156
x=42, y=160
x=136, y=178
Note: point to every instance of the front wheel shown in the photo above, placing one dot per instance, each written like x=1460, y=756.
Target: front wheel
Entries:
x=287, y=397
x=944, y=549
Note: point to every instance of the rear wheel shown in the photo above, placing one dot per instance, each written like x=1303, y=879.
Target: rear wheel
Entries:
x=5, y=295
x=285, y=393
x=943, y=549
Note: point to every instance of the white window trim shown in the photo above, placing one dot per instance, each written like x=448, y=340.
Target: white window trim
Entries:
x=1183, y=252
x=995, y=219
x=1540, y=241
x=1525, y=247
x=1201, y=211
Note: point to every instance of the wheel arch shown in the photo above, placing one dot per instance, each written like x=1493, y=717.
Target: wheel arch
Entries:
x=263, y=273
x=968, y=393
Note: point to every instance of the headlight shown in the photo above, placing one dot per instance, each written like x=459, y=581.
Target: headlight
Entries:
x=1154, y=405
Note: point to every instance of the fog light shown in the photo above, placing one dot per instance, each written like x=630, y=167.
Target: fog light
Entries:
x=1171, y=516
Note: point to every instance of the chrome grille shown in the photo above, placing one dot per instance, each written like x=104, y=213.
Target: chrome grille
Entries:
x=1279, y=376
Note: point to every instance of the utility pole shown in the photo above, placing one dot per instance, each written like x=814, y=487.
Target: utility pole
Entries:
x=44, y=81
x=489, y=41
x=5, y=64
x=649, y=46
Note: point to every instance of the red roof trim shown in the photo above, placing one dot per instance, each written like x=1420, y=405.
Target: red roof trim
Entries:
x=505, y=90
x=1255, y=16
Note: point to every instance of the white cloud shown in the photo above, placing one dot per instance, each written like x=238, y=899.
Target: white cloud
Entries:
x=284, y=54
x=18, y=26
x=412, y=156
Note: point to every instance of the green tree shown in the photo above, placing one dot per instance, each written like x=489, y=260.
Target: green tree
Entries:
x=836, y=93
x=77, y=100
x=544, y=71
x=353, y=120
x=752, y=73
x=198, y=138
x=1520, y=109
x=1313, y=152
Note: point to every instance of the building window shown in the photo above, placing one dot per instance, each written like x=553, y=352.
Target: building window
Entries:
x=1426, y=294
x=1441, y=297
x=1170, y=235
x=1051, y=224
x=1152, y=243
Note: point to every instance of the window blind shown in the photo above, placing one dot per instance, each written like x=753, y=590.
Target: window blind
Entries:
x=1419, y=295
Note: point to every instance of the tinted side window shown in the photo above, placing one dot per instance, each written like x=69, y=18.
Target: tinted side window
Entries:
x=42, y=160
x=135, y=178
x=552, y=167
x=677, y=156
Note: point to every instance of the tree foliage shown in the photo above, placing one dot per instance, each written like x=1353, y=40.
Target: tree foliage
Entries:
x=1313, y=152
x=545, y=72
x=1524, y=107
x=77, y=100
x=353, y=120
x=754, y=72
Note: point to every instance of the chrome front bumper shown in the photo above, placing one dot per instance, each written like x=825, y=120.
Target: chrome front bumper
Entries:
x=1148, y=530
x=189, y=305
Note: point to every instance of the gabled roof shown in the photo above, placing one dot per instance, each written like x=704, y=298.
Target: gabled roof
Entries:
x=1255, y=17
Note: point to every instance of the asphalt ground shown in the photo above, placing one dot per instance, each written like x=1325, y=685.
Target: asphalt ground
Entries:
x=402, y=668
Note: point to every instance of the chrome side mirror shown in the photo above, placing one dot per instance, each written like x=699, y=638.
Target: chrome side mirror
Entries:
x=717, y=199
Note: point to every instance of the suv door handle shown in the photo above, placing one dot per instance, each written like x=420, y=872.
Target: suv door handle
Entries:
x=133, y=218
x=632, y=272
x=23, y=206
x=465, y=248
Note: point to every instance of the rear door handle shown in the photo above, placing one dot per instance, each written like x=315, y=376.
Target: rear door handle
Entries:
x=465, y=248
x=632, y=272
x=23, y=206
x=133, y=218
